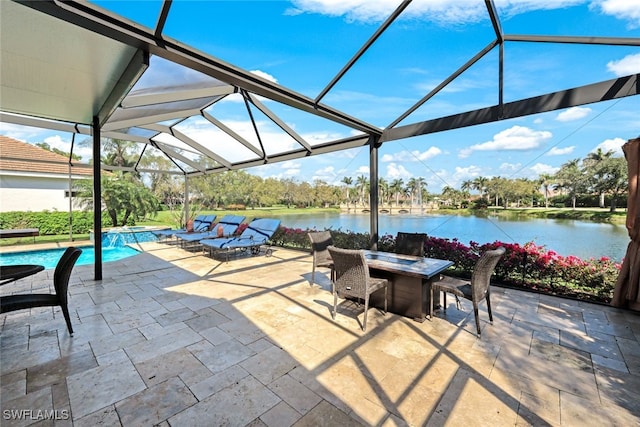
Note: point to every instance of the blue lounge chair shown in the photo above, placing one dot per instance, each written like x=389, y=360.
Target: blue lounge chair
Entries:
x=200, y=224
x=257, y=234
x=226, y=227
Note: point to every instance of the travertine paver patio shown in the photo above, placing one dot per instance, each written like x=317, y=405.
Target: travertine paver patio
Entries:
x=175, y=338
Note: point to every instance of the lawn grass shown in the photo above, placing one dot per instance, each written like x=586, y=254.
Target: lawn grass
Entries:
x=167, y=217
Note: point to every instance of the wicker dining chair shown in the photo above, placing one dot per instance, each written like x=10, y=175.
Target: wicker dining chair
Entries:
x=61, y=276
x=410, y=243
x=352, y=279
x=320, y=241
x=475, y=290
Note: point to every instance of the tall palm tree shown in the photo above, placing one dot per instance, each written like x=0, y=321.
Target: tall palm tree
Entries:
x=546, y=180
x=411, y=188
x=396, y=188
x=362, y=183
x=383, y=190
x=466, y=188
x=347, y=180
x=420, y=184
x=480, y=184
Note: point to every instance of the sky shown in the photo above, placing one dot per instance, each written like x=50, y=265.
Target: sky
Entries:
x=303, y=44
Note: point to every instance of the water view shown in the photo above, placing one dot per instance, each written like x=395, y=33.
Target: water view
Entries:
x=566, y=237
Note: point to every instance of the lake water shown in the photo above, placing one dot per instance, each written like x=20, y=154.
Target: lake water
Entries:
x=566, y=237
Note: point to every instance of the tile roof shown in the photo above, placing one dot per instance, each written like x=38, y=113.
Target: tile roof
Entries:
x=18, y=156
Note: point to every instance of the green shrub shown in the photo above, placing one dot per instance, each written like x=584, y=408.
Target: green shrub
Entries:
x=53, y=223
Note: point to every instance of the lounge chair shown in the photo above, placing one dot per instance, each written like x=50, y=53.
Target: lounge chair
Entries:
x=200, y=224
x=226, y=227
x=257, y=234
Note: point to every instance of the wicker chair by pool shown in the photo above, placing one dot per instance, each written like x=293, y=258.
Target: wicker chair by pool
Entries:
x=352, y=279
x=475, y=290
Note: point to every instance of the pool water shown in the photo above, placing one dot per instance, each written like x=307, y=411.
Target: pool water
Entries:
x=114, y=247
x=50, y=257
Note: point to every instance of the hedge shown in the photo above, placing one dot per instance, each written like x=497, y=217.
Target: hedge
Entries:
x=51, y=223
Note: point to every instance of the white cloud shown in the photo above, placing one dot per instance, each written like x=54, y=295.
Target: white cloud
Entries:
x=290, y=164
x=510, y=167
x=443, y=12
x=208, y=135
x=516, y=138
x=412, y=156
x=614, y=145
x=573, y=113
x=327, y=174
x=462, y=174
x=541, y=168
x=362, y=170
x=621, y=9
x=630, y=64
x=264, y=75
x=83, y=150
x=320, y=137
x=396, y=171
x=555, y=151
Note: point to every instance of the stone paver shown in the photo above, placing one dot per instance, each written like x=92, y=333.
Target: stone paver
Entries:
x=172, y=337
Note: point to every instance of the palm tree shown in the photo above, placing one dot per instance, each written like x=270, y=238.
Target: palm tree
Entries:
x=546, y=180
x=411, y=188
x=466, y=187
x=383, y=190
x=421, y=185
x=362, y=183
x=480, y=184
x=396, y=188
x=347, y=180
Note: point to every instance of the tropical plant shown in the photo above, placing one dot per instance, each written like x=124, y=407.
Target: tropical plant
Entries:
x=123, y=199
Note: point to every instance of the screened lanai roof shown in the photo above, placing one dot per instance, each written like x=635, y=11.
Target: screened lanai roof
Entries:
x=135, y=70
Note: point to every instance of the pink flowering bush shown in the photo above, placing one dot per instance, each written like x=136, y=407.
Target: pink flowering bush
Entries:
x=525, y=266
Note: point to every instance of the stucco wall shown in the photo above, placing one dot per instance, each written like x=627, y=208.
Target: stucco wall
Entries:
x=32, y=193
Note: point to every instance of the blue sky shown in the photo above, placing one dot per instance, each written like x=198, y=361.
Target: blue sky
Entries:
x=303, y=44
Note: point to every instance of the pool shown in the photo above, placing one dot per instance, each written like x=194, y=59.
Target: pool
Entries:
x=115, y=246
x=49, y=257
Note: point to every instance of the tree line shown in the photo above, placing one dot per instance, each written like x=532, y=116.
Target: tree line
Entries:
x=132, y=193
x=599, y=174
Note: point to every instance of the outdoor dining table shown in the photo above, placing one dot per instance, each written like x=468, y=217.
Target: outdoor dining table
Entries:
x=10, y=273
x=410, y=281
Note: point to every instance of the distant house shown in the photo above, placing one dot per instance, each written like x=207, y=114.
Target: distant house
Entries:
x=34, y=179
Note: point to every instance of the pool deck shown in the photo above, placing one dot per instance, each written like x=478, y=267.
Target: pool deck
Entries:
x=175, y=338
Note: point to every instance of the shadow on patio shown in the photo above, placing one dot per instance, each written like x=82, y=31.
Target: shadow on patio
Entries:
x=176, y=338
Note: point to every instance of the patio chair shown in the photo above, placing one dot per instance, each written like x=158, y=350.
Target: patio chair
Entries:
x=61, y=276
x=320, y=241
x=410, y=243
x=352, y=279
x=256, y=235
x=475, y=290
x=226, y=227
x=201, y=223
